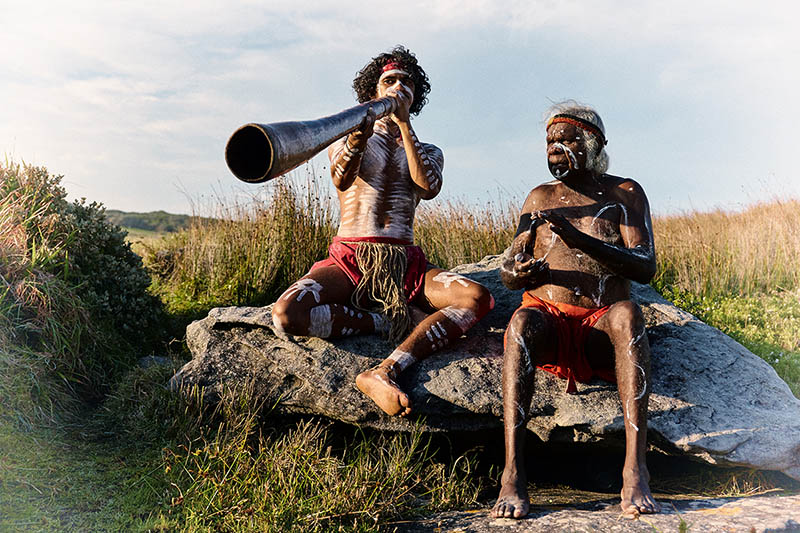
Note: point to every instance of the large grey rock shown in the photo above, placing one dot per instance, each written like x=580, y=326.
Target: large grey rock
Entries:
x=711, y=398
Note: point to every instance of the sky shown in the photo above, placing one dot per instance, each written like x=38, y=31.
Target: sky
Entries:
x=133, y=102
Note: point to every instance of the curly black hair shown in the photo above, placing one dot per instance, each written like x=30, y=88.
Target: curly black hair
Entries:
x=366, y=81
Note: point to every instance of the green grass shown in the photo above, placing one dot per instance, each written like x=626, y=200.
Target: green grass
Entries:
x=51, y=480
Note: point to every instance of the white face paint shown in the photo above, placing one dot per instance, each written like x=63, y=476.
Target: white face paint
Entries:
x=303, y=287
x=446, y=278
x=320, y=323
x=571, y=155
x=463, y=318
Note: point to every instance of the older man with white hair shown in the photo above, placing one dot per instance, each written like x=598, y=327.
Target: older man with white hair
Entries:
x=581, y=238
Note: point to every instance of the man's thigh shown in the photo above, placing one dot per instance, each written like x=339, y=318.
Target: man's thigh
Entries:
x=601, y=340
x=323, y=285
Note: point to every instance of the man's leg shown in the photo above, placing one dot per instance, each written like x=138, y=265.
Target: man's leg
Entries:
x=318, y=305
x=623, y=325
x=529, y=333
x=458, y=303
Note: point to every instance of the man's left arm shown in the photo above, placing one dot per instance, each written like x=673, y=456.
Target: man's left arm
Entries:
x=636, y=258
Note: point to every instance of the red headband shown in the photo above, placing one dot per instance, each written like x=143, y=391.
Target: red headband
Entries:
x=392, y=65
x=578, y=123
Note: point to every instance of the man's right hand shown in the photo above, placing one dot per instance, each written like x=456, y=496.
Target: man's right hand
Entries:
x=358, y=138
x=529, y=269
x=520, y=269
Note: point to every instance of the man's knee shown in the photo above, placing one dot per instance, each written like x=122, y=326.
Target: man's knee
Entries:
x=625, y=313
x=626, y=320
x=286, y=319
x=529, y=326
x=476, y=297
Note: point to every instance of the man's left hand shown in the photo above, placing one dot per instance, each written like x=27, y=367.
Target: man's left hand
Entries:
x=572, y=236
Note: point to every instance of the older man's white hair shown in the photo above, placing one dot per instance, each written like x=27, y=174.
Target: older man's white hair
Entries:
x=597, y=159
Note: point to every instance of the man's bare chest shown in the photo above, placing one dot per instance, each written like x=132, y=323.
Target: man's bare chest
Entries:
x=600, y=219
x=383, y=158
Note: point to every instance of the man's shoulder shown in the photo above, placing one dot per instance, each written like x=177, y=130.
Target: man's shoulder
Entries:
x=431, y=147
x=539, y=194
x=625, y=189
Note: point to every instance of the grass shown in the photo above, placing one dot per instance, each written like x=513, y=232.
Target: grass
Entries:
x=143, y=458
x=739, y=272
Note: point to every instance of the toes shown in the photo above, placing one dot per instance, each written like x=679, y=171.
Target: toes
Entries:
x=650, y=506
x=498, y=509
x=402, y=397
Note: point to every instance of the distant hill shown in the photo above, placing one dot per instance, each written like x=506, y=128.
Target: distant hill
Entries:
x=158, y=221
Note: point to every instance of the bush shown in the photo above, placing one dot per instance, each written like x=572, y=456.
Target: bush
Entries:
x=107, y=275
x=73, y=296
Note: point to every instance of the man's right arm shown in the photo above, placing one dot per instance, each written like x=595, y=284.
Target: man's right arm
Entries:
x=519, y=270
x=346, y=154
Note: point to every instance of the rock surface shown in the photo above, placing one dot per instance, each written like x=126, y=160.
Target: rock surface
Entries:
x=756, y=514
x=711, y=398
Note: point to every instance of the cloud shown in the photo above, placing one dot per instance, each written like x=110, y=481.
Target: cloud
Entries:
x=129, y=98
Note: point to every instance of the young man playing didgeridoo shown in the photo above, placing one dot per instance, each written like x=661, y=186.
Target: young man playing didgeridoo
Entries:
x=581, y=238
x=375, y=278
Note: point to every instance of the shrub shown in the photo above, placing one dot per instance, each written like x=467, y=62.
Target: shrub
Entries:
x=72, y=296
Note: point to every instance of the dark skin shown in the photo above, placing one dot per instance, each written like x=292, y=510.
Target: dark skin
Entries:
x=588, y=236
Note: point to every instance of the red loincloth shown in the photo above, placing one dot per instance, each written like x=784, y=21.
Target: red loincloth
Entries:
x=342, y=253
x=573, y=324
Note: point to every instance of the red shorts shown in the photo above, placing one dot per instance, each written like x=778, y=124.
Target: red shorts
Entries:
x=573, y=324
x=342, y=253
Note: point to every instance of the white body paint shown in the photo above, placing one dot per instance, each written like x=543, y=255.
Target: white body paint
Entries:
x=303, y=287
x=641, y=394
x=382, y=200
x=320, y=323
x=463, y=318
x=382, y=324
x=402, y=359
x=447, y=278
x=521, y=342
x=603, y=210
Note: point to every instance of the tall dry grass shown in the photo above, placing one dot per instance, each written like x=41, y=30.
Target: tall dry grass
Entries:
x=244, y=253
x=730, y=254
x=453, y=232
x=248, y=252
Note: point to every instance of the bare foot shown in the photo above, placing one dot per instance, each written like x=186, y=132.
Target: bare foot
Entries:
x=636, y=497
x=378, y=383
x=512, y=502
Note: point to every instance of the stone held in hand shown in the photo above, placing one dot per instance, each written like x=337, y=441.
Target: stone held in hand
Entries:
x=710, y=397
